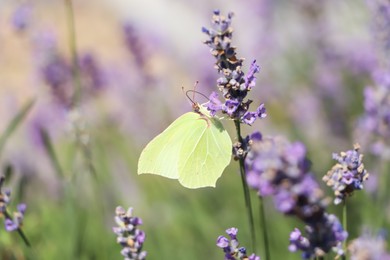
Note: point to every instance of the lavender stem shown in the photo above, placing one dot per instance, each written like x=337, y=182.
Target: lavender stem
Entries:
x=246, y=190
x=345, y=228
x=263, y=224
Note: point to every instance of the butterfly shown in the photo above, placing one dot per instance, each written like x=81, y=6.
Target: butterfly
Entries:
x=195, y=149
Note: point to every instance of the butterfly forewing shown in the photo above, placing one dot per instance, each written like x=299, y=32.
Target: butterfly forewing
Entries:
x=161, y=155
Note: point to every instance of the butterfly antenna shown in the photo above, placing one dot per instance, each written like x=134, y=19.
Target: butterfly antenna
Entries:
x=195, y=85
x=197, y=92
x=195, y=105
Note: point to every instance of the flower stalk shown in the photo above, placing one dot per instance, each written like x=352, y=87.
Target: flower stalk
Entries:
x=247, y=197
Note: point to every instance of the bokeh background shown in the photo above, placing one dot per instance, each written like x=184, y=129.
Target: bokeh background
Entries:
x=316, y=58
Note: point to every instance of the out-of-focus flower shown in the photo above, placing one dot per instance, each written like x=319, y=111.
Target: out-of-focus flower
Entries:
x=17, y=221
x=128, y=235
x=327, y=234
x=347, y=175
x=231, y=247
x=280, y=169
x=380, y=10
x=368, y=246
x=92, y=73
x=233, y=83
x=374, y=125
x=134, y=44
x=21, y=16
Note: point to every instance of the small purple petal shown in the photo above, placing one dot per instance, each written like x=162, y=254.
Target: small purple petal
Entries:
x=214, y=105
x=249, y=117
x=230, y=106
x=222, y=242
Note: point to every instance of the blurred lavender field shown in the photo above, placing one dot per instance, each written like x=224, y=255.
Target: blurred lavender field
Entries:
x=324, y=79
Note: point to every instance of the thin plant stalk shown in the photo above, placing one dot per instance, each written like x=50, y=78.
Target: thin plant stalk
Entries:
x=73, y=50
x=47, y=143
x=264, y=228
x=343, y=257
x=85, y=149
x=246, y=190
x=15, y=122
x=383, y=189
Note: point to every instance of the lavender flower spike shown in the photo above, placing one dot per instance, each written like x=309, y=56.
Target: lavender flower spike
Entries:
x=278, y=168
x=231, y=247
x=347, y=175
x=233, y=83
x=129, y=236
x=11, y=224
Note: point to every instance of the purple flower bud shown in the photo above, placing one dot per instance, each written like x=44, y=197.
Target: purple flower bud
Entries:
x=254, y=257
x=22, y=208
x=250, y=79
x=298, y=242
x=249, y=118
x=261, y=111
x=10, y=225
x=222, y=242
x=232, y=232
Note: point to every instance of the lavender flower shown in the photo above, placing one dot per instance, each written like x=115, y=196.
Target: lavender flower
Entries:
x=15, y=223
x=347, y=175
x=129, y=236
x=231, y=248
x=233, y=83
x=368, y=246
x=280, y=169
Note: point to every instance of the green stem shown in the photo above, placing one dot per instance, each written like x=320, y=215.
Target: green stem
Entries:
x=51, y=152
x=246, y=189
x=345, y=228
x=73, y=50
x=265, y=229
x=15, y=122
x=383, y=189
x=77, y=77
